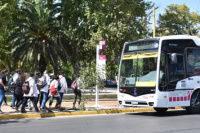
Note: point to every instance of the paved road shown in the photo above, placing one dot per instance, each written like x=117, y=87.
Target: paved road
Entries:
x=147, y=122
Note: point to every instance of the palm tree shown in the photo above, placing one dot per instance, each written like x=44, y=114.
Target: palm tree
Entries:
x=35, y=37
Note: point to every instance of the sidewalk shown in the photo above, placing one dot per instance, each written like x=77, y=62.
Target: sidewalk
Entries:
x=105, y=107
x=107, y=104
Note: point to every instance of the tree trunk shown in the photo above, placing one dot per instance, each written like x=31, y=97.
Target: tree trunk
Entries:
x=42, y=64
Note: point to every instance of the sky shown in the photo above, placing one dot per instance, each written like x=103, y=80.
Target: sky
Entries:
x=193, y=5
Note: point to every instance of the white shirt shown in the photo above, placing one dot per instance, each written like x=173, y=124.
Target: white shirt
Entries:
x=45, y=88
x=34, y=90
x=15, y=77
x=56, y=86
x=63, y=84
x=77, y=81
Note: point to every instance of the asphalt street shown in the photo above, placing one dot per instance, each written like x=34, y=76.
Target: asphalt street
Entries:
x=145, y=122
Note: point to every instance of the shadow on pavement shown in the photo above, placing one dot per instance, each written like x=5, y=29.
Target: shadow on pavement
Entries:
x=170, y=113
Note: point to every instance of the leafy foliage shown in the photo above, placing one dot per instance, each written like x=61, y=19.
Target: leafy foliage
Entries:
x=36, y=36
x=89, y=77
x=177, y=19
x=8, y=16
x=115, y=21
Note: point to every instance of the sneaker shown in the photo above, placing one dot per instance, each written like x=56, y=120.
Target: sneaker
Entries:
x=16, y=110
x=56, y=106
x=50, y=111
x=12, y=107
x=37, y=111
x=1, y=112
x=23, y=111
x=30, y=109
x=5, y=104
x=42, y=110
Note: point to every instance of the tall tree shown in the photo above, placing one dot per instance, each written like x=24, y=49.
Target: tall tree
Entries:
x=35, y=36
x=88, y=21
x=177, y=19
x=8, y=16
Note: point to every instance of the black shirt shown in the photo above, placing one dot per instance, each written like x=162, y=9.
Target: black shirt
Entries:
x=18, y=87
x=3, y=78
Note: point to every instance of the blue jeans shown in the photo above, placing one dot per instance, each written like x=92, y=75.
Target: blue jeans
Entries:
x=13, y=101
x=1, y=96
x=45, y=95
x=29, y=104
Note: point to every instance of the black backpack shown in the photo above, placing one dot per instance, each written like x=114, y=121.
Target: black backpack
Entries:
x=59, y=86
x=25, y=87
x=11, y=84
x=41, y=84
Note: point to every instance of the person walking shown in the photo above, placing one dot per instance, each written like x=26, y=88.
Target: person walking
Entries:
x=2, y=88
x=15, y=77
x=5, y=98
x=44, y=90
x=32, y=95
x=77, y=93
x=63, y=86
x=38, y=75
x=18, y=91
x=54, y=85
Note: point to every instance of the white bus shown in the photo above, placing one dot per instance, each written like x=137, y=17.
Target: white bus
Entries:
x=162, y=73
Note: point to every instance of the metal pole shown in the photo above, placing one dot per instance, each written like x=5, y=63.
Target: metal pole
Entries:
x=97, y=90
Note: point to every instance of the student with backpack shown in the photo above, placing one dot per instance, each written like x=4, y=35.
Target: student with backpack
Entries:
x=18, y=91
x=44, y=89
x=37, y=76
x=13, y=82
x=2, y=88
x=63, y=86
x=77, y=92
x=30, y=92
x=54, y=92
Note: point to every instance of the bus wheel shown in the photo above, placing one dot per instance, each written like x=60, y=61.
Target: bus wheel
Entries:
x=194, y=107
x=161, y=110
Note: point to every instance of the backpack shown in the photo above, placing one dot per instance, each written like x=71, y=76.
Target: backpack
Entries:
x=41, y=84
x=69, y=82
x=53, y=90
x=59, y=86
x=74, y=85
x=11, y=83
x=25, y=87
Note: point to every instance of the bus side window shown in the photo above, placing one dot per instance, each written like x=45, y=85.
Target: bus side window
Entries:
x=193, y=62
x=175, y=71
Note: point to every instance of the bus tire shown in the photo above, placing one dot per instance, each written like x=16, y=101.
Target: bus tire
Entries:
x=160, y=110
x=194, y=107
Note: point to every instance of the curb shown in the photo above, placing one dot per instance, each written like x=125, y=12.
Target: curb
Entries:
x=106, y=111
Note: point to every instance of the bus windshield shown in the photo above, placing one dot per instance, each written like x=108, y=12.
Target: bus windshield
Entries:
x=139, y=69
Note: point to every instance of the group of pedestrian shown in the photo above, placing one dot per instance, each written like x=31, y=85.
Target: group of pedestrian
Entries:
x=39, y=93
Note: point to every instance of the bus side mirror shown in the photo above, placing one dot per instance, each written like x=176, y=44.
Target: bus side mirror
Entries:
x=174, y=58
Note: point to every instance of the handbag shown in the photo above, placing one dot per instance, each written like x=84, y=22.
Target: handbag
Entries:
x=74, y=85
x=53, y=90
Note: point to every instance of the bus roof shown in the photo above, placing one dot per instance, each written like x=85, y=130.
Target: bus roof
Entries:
x=194, y=38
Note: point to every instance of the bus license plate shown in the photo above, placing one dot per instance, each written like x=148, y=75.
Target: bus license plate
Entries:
x=134, y=102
